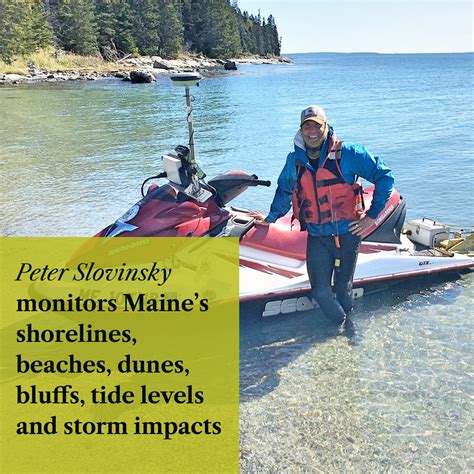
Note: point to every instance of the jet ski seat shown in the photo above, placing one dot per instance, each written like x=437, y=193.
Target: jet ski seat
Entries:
x=280, y=238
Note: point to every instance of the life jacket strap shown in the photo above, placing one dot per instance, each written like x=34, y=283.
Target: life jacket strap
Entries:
x=328, y=182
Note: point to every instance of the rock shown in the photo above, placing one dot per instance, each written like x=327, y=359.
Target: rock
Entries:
x=121, y=74
x=230, y=66
x=141, y=77
x=131, y=62
x=126, y=79
x=161, y=65
x=15, y=77
x=220, y=61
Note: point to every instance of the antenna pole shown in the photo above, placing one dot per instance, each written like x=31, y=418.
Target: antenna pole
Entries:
x=190, y=125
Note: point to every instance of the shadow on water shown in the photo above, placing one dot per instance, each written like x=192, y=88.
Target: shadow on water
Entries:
x=269, y=344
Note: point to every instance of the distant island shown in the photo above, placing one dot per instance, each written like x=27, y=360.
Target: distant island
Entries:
x=40, y=32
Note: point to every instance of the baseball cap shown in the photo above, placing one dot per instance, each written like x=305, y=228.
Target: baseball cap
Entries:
x=315, y=113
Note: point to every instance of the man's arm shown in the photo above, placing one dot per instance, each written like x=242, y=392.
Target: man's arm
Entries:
x=286, y=184
x=372, y=168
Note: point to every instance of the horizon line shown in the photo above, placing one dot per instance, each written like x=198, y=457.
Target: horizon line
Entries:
x=377, y=52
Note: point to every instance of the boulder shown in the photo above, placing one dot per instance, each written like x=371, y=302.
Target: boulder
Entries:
x=161, y=65
x=230, y=66
x=141, y=77
x=15, y=78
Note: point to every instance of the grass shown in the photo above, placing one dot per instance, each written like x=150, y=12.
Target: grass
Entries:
x=53, y=60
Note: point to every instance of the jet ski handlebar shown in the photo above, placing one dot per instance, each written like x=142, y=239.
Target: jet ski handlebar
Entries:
x=261, y=182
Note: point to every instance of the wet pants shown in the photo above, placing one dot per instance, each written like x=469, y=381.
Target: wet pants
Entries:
x=321, y=254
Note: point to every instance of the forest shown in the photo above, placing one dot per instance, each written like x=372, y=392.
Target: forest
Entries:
x=113, y=29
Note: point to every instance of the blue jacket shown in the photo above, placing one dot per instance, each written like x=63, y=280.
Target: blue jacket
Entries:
x=356, y=161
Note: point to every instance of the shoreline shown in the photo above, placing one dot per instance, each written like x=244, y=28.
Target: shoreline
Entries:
x=151, y=66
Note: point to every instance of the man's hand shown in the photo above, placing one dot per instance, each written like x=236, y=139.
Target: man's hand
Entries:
x=259, y=217
x=359, y=227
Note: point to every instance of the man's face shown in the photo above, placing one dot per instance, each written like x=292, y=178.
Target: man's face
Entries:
x=312, y=130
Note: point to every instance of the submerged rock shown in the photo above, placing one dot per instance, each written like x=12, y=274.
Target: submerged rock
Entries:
x=230, y=66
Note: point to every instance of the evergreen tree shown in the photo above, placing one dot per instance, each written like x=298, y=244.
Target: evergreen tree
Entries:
x=40, y=34
x=115, y=28
x=124, y=39
x=77, y=26
x=23, y=27
x=146, y=24
x=9, y=25
x=187, y=20
x=273, y=39
x=171, y=28
x=247, y=39
x=217, y=29
x=106, y=23
x=115, y=35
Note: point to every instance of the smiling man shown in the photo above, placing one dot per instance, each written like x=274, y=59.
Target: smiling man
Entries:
x=320, y=180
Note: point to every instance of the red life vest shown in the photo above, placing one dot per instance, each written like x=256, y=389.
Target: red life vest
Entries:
x=324, y=196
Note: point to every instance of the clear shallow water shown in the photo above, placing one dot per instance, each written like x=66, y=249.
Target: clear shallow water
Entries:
x=396, y=393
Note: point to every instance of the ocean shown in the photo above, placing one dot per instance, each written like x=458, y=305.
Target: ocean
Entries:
x=397, y=394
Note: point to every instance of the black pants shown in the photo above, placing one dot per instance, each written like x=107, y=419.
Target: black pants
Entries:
x=321, y=254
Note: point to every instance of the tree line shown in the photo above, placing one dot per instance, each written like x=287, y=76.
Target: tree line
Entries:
x=116, y=28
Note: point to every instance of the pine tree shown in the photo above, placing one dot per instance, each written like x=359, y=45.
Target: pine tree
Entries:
x=9, y=22
x=115, y=28
x=218, y=29
x=115, y=35
x=106, y=23
x=187, y=20
x=146, y=24
x=124, y=39
x=41, y=34
x=23, y=27
x=171, y=28
x=273, y=39
x=231, y=38
x=77, y=26
x=247, y=39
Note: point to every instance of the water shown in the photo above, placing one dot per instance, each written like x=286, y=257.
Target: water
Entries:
x=396, y=394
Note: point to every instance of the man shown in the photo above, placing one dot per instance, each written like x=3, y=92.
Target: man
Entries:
x=320, y=179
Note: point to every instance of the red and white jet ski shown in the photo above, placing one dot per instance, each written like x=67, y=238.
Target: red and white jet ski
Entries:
x=272, y=257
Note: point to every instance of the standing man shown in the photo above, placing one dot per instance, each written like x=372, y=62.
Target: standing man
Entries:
x=320, y=180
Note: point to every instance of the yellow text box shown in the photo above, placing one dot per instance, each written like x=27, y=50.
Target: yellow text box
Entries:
x=119, y=355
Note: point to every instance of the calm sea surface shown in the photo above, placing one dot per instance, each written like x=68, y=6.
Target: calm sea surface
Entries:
x=395, y=395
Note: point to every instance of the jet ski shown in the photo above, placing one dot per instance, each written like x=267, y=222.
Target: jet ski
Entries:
x=182, y=203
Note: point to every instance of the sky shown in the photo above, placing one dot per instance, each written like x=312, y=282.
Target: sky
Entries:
x=403, y=26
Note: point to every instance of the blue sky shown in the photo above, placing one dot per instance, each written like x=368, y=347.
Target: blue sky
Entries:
x=403, y=26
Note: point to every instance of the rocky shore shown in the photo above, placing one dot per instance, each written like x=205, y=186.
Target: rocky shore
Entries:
x=147, y=68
